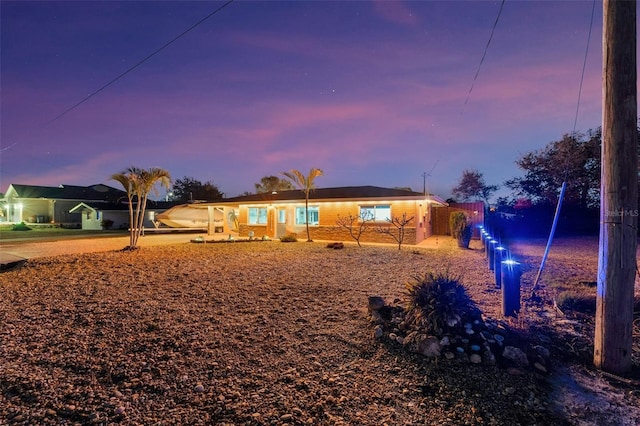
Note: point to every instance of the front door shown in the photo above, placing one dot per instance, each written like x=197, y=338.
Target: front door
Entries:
x=281, y=226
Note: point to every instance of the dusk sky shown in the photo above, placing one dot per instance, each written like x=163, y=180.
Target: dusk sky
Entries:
x=373, y=93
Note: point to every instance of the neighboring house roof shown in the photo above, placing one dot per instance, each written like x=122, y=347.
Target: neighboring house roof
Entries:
x=98, y=192
x=104, y=207
x=342, y=193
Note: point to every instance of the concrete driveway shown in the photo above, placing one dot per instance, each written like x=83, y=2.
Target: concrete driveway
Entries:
x=13, y=252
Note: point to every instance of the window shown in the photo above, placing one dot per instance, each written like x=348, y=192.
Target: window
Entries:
x=257, y=215
x=314, y=215
x=282, y=216
x=376, y=213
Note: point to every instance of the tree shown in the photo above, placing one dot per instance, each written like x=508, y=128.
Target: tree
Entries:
x=472, y=185
x=189, y=189
x=306, y=184
x=138, y=183
x=399, y=223
x=269, y=184
x=574, y=159
x=356, y=225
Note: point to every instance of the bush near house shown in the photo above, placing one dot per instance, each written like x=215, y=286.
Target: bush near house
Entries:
x=20, y=227
x=460, y=228
x=290, y=238
x=106, y=223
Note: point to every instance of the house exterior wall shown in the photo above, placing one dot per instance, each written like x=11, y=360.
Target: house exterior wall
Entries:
x=91, y=219
x=35, y=211
x=59, y=212
x=330, y=212
x=44, y=211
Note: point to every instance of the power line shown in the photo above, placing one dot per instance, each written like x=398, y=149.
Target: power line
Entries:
x=164, y=46
x=584, y=65
x=485, y=51
x=566, y=164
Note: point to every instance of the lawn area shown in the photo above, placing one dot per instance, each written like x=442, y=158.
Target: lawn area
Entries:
x=268, y=333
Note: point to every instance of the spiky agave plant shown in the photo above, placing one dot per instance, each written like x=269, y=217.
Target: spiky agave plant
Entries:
x=437, y=302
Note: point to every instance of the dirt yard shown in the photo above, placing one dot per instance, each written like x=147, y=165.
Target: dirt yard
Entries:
x=270, y=333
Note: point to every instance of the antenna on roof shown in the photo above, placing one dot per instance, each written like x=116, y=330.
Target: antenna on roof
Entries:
x=425, y=175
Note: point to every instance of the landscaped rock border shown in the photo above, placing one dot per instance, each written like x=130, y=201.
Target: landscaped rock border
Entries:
x=474, y=340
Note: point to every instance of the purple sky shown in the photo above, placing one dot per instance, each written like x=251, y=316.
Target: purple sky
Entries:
x=373, y=93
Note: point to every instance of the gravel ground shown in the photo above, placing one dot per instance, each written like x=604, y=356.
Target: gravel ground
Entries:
x=259, y=333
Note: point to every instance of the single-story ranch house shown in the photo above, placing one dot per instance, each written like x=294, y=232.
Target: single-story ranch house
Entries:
x=278, y=214
x=94, y=214
x=72, y=206
x=52, y=204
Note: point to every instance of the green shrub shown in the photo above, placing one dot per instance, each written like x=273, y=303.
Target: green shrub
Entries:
x=106, y=223
x=20, y=227
x=290, y=238
x=460, y=228
x=437, y=302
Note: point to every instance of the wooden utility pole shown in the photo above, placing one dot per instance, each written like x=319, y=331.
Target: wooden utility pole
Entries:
x=619, y=190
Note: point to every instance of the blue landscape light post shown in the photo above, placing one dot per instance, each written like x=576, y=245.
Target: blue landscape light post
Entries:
x=487, y=243
x=491, y=253
x=500, y=254
x=484, y=235
x=511, y=273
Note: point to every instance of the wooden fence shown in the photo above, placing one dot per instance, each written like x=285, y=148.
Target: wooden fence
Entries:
x=440, y=217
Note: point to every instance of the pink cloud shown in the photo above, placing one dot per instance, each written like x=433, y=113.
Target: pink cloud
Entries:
x=395, y=11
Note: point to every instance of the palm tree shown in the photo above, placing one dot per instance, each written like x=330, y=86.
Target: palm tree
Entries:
x=306, y=184
x=138, y=183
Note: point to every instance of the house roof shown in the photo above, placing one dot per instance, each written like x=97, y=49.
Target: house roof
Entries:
x=339, y=193
x=101, y=206
x=98, y=192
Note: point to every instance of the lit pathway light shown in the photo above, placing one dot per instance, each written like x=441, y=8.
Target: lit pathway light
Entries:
x=511, y=272
x=500, y=254
x=491, y=253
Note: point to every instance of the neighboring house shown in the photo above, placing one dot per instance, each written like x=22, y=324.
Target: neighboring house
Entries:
x=46, y=204
x=278, y=214
x=93, y=214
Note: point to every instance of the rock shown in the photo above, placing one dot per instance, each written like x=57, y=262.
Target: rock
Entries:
x=445, y=341
x=516, y=355
x=475, y=348
x=199, y=388
x=375, y=303
x=120, y=410
x=393, y=336
x=409, y=338
x=542, y=351
x=489, y=358
x=449, y=355
x=475, y=359
x=429, y=347
x=378, y=332
x=541, y=368
x=335, y=246
x=515, y=371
